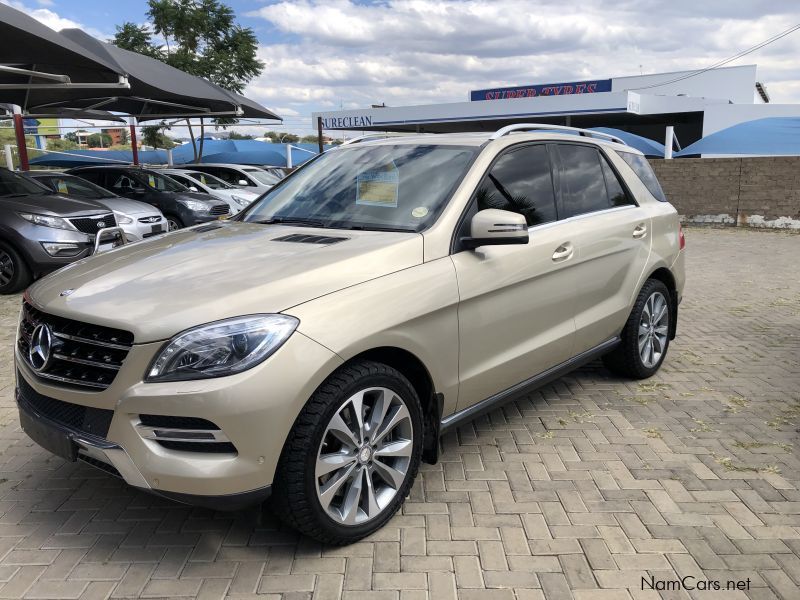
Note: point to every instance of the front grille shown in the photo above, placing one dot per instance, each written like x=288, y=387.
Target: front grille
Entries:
x=219, y=209
x=94, y=421
x=170, y=422
x=150, y=220
x=306, y=238
x=92, y=225
x=82, y=356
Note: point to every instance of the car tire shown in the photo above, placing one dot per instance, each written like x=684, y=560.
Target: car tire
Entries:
x=15, y=275
x=173, y=223
x=645, y=337
x=336, y=491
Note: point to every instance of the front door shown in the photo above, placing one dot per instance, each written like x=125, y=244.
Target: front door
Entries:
x=516, y=302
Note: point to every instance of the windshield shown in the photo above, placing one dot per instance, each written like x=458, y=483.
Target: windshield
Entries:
x=160, y=182
x=401, y=187
x=75, y=186
x=215, y=183
x=262, y=176
x=12, y=184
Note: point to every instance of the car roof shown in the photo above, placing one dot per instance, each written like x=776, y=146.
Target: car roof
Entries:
x=228, y=165
x=481, y=138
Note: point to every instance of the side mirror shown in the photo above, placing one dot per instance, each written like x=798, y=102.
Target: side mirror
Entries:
x=243, y=182
x=493, y=227
x=194, y=189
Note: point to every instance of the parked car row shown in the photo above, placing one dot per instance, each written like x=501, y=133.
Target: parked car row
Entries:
x=49, y=219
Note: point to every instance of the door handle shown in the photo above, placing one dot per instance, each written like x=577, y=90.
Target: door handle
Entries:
x=563, y=252
x=640, y=231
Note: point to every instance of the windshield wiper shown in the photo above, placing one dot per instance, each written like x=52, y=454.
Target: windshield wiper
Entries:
x=374, y=228
x=293, y=221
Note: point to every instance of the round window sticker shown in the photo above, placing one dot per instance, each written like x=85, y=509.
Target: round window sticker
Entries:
x=419, y=212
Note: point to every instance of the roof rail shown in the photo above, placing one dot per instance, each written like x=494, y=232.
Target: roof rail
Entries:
x=376, y=135
x=541, y=126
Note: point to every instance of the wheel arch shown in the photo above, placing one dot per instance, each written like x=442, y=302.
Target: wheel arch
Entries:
x=665, y=276
x=413, y=369
x=10, y=238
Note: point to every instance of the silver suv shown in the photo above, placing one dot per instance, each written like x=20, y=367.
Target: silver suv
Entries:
x=316, y=346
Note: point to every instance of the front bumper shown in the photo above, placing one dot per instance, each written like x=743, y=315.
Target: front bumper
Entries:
x=72, y=445
x=137, y=231
x=255, y=410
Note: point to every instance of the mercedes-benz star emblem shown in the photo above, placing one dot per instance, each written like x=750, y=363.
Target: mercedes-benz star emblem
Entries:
x=41, y=346
x=101, y=224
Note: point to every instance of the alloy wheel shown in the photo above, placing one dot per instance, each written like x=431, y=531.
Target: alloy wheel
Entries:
x=364, y=456
x=6, y=268
x=172, y=225
x=653, y=329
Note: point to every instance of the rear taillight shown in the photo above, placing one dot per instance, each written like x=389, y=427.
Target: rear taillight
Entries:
x=681, y=238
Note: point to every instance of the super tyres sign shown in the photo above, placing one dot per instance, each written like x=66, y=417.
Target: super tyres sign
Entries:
x=542, y=89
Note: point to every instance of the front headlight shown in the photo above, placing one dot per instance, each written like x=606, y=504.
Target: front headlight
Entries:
x=122, y=219
x=221, y=348
x=46, y=221
x=194, y=205
x=239, y=200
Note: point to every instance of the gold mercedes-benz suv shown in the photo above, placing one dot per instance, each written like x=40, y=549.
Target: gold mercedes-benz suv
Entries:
x=315, y=347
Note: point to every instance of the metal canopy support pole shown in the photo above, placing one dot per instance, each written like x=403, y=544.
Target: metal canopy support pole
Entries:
x=19, y=128
x=289, y=156
x=134, y=149
x=668, y=142
x=319, y=134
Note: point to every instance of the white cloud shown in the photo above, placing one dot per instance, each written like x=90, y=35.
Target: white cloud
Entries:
x=424, y=51
x=52, y=19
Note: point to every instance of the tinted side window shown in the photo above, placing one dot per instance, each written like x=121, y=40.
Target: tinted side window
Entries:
x=93, y=176
x=521, y=181
x=121, y=182
x=616, y=193
x=645, y=172
x=223, y=174
x=583, y=187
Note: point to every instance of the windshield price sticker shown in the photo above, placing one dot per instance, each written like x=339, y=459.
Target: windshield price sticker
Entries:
x=62, y=187
x=378, y=188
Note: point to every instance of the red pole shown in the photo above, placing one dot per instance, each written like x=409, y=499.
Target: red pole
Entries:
x=134, y=149
x=19, y=128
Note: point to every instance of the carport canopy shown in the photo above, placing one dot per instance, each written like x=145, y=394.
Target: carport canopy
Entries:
x=39, y=63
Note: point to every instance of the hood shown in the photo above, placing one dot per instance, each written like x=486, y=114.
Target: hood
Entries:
x=53, y=205
x=162, y=286
x=129, y=207
x=191, y=196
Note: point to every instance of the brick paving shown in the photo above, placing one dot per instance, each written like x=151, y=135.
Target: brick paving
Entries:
x=577, y=491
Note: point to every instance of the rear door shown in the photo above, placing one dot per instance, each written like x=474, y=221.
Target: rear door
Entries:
x=515, y=314
x=612, y=241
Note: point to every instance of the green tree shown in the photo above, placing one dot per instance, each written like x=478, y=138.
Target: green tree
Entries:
x=201, y=37
x=277, y=137
x=61, y=145
x=154, y=136
x=235, y=135
x=99, y=140
x=72, y=137
x=137, y=38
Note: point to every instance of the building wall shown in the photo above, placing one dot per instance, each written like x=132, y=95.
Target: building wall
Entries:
x=751, y=192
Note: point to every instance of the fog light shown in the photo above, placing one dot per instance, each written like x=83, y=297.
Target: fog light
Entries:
x=61, y=249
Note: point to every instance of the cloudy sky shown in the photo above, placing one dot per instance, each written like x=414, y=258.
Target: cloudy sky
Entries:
x=350, y=54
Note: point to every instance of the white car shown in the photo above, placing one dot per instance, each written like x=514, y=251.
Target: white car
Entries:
x=138, y=220
x=246, y=177
x=205, y=183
